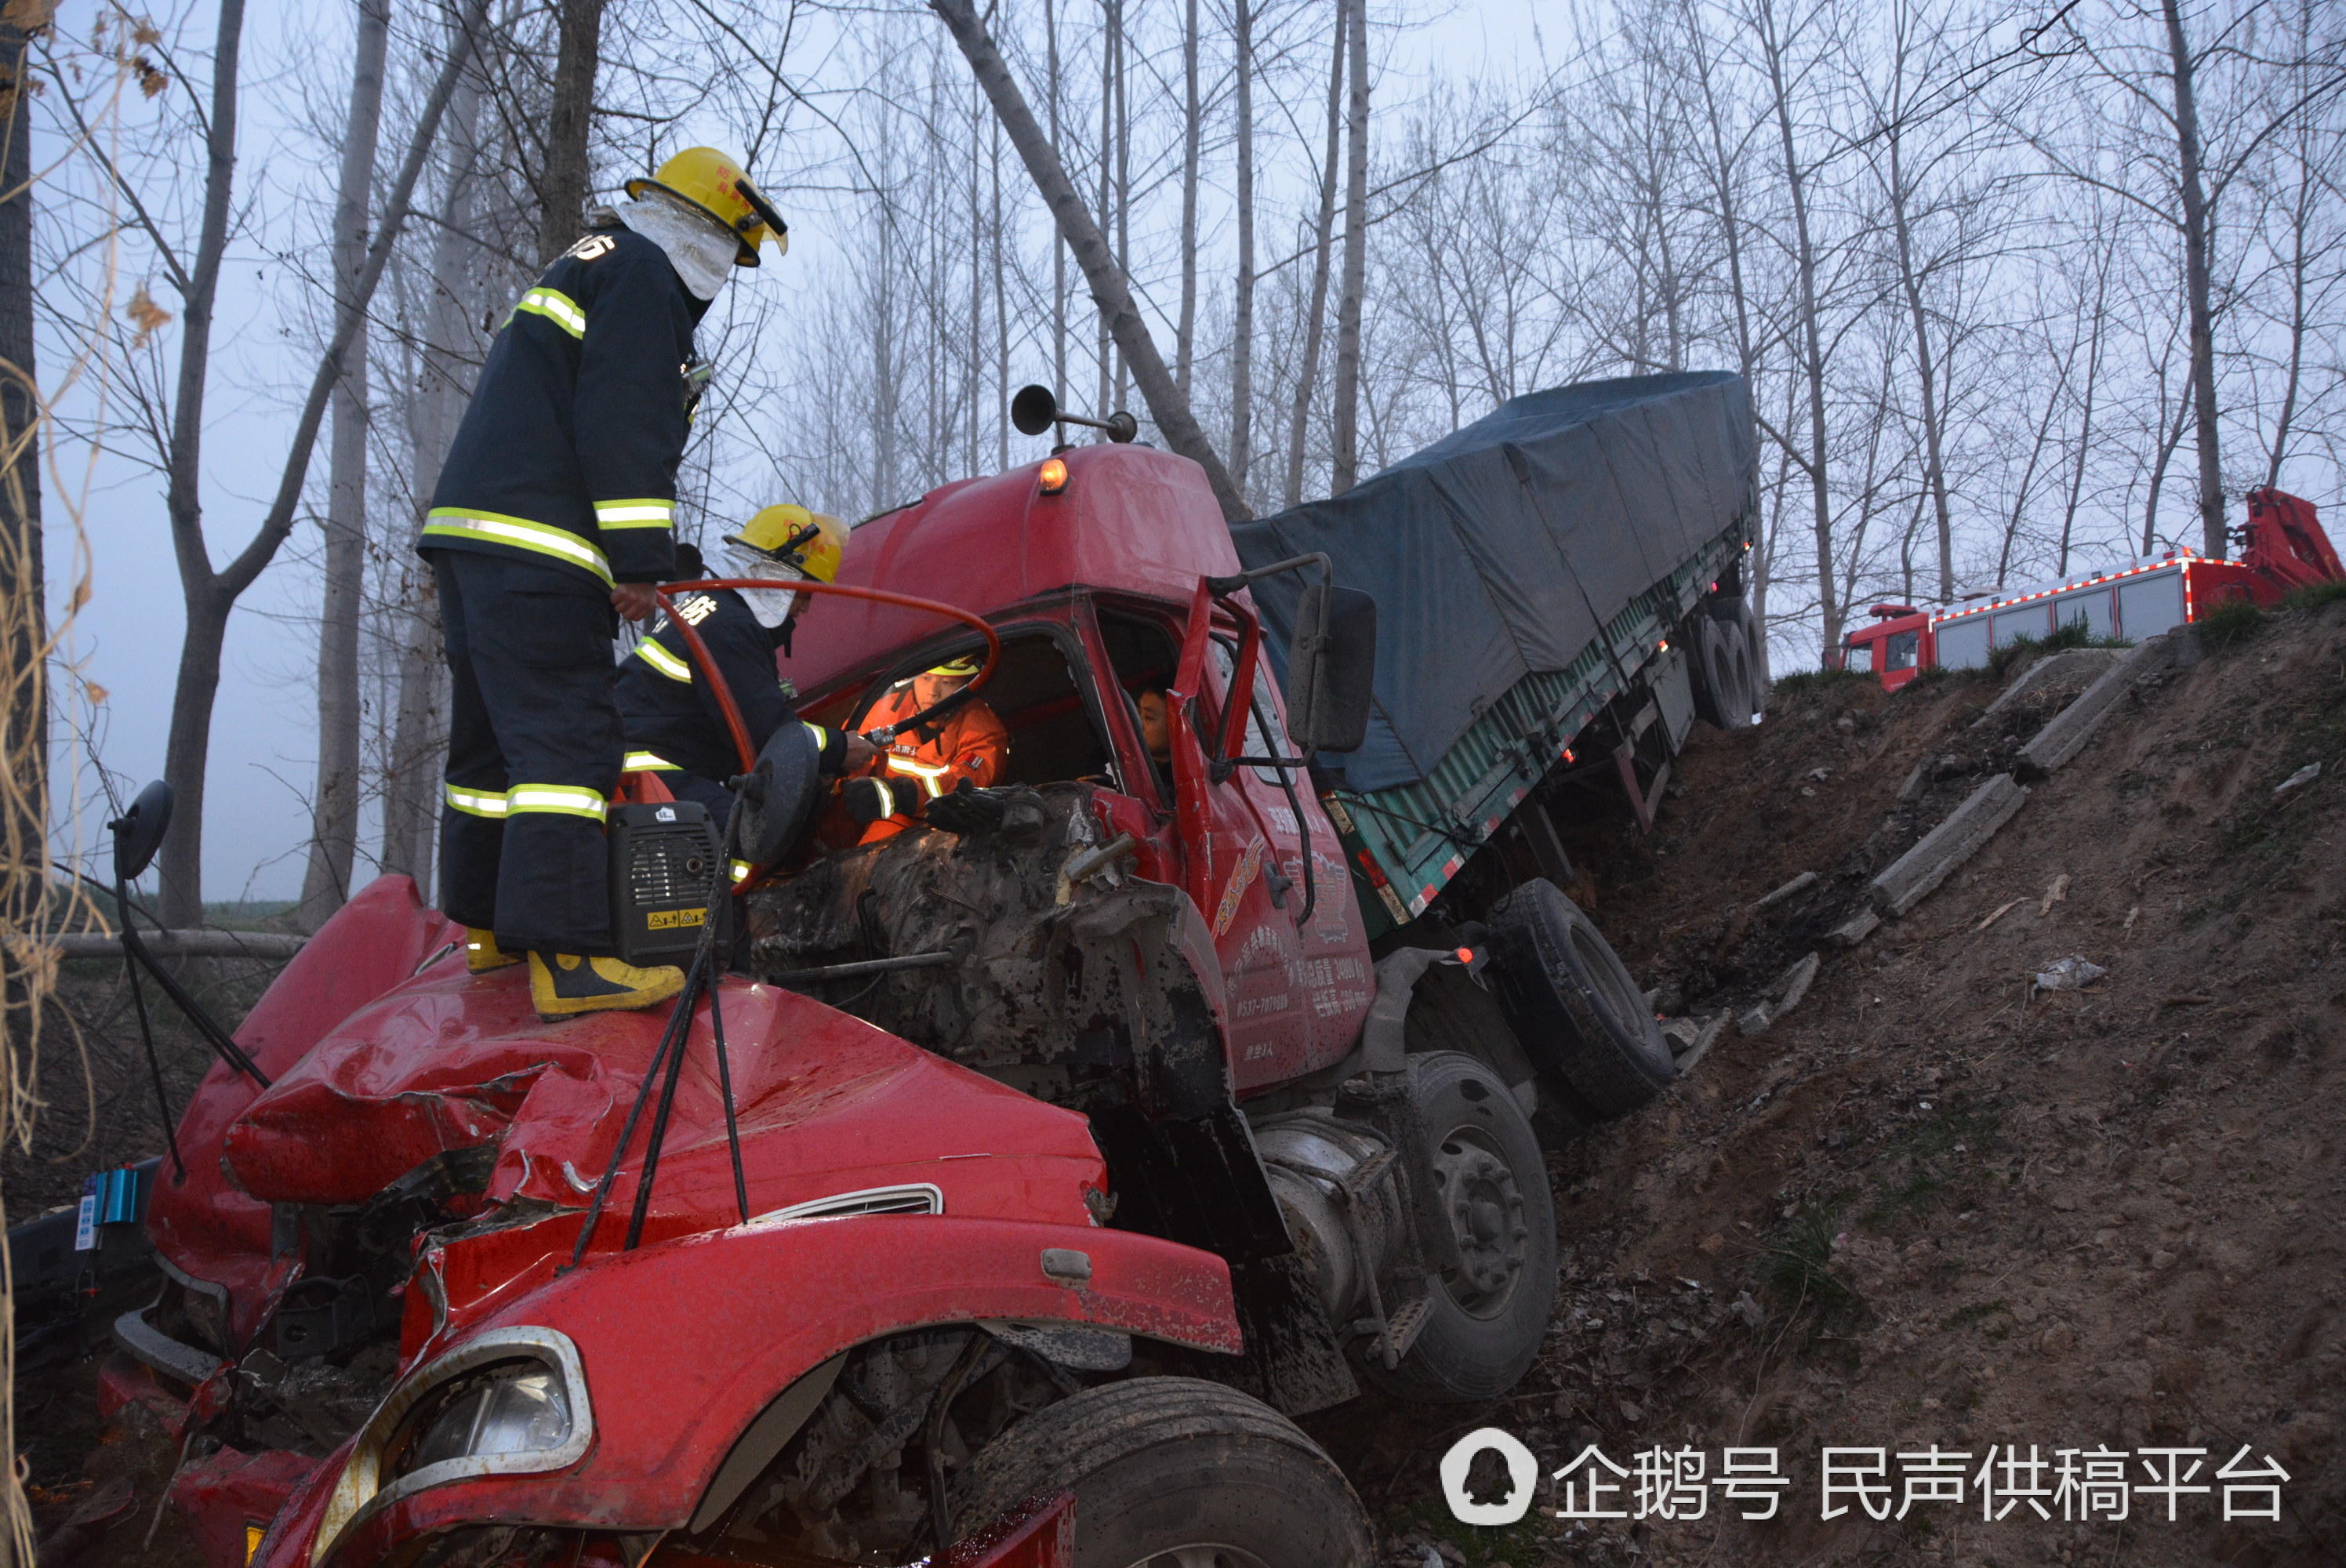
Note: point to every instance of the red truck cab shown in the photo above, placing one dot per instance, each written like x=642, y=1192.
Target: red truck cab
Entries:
x=1896, y=647
x=1095, y=587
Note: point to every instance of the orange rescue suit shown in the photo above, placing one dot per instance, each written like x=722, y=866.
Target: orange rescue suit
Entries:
x=970, y=744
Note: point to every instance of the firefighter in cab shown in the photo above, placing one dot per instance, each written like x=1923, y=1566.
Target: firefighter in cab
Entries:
x=675, y=730
x=553, y=515
x=925, y=760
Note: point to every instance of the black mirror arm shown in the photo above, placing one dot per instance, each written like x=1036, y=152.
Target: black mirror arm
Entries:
x=1223, y=587
x=134, y=948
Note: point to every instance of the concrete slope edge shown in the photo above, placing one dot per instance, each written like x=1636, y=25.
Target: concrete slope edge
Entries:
x=2067, y=732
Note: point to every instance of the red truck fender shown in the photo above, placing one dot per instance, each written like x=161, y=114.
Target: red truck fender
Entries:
x=682, y=1347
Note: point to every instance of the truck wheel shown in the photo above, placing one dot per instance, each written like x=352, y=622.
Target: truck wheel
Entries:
x=1489, y=1313
x=1573, y=1003
x=1173, y=1473
x=1723, y=696
x=1736, y=612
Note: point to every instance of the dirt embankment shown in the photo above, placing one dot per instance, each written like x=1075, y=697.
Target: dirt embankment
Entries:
x=1934, y=1206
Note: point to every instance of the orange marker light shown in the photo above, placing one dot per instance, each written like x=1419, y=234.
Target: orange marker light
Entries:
x=1465, y=955
x=1054, y=475
x=1664, y=646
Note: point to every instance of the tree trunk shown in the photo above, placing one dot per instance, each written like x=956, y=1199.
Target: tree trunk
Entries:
x=2196, y=267
x=1001, y=270
x=1811, y=331
x=1106, y=341
x=1123, y=207
x=1347, y=457
x=561, y=187
x=24, y=742
x=1934, y=468
x=180, y=865
x=1167, y=406
x=1242, y=311
x=1722, y=169
x=334, y=804
x=1058, y=243
x=1185, y=332
x=1306, y=370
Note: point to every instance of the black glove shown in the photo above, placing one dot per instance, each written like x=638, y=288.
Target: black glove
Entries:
x=968, y=810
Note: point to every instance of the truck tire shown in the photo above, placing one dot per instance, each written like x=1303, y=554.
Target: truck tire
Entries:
x=1488, y=1315
x=1723, y=694
x=1573, y=1004
x=1168, y=1472
x=1736, y=612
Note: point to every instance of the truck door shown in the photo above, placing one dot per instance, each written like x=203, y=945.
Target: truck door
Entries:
x=1241, y=865
x=1312, y=886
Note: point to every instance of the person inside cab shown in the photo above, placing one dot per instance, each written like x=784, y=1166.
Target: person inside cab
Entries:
x=969, y=744
x=554, y=511
x=675, y=728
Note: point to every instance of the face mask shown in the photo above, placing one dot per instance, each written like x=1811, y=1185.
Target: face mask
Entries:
x=772, y=607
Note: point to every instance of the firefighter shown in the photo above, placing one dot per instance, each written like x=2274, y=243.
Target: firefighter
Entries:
x=968, y=745
x=553, y=513
x=675, y=729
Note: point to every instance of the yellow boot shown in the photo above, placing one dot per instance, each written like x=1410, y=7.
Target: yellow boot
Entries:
x=482, y=954
x=564, y=984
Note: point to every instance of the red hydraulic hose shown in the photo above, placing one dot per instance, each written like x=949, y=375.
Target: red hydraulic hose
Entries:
x=708, y=666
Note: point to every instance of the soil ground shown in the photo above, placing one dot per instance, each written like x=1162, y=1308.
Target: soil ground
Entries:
x=1934, y=1206
x=1931, y=1208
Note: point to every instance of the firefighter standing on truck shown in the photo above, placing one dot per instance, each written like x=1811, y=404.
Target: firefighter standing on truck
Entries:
x=675, y=729
x=554, y=510
x=967, y=746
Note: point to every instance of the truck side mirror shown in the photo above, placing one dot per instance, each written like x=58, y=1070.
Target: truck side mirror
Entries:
x=138, y=832
x=1331, y=668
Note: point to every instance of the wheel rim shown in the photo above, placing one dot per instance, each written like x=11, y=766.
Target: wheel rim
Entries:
x=1485, y=1205
x=1202, y=1554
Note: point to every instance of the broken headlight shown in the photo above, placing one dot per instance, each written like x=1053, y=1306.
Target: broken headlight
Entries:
x=505, y=1409
x=507, y=1402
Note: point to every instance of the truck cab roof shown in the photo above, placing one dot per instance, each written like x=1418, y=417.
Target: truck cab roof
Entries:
x=1128, y=520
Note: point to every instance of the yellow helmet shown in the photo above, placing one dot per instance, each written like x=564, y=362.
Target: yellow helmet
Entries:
x=966, y=664
x=808, y=540
x=715, y=184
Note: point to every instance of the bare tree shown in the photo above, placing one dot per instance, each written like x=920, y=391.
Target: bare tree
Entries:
x=1242, y=282
x=1810, y=326
x=1193, y=117
x=1306, y=373
x=562, y=185
x=334, y=805
x=1346, y=458
x=1167, y=406
x=210, y=594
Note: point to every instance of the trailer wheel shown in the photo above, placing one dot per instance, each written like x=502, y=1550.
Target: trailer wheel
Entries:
x=1573, y=1004
x=1488, y=1314
x=1173, y=1473
x=1723, y=695
x=1736, y=612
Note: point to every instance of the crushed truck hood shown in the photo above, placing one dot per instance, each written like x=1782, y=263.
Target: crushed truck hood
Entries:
x=827, y=1104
